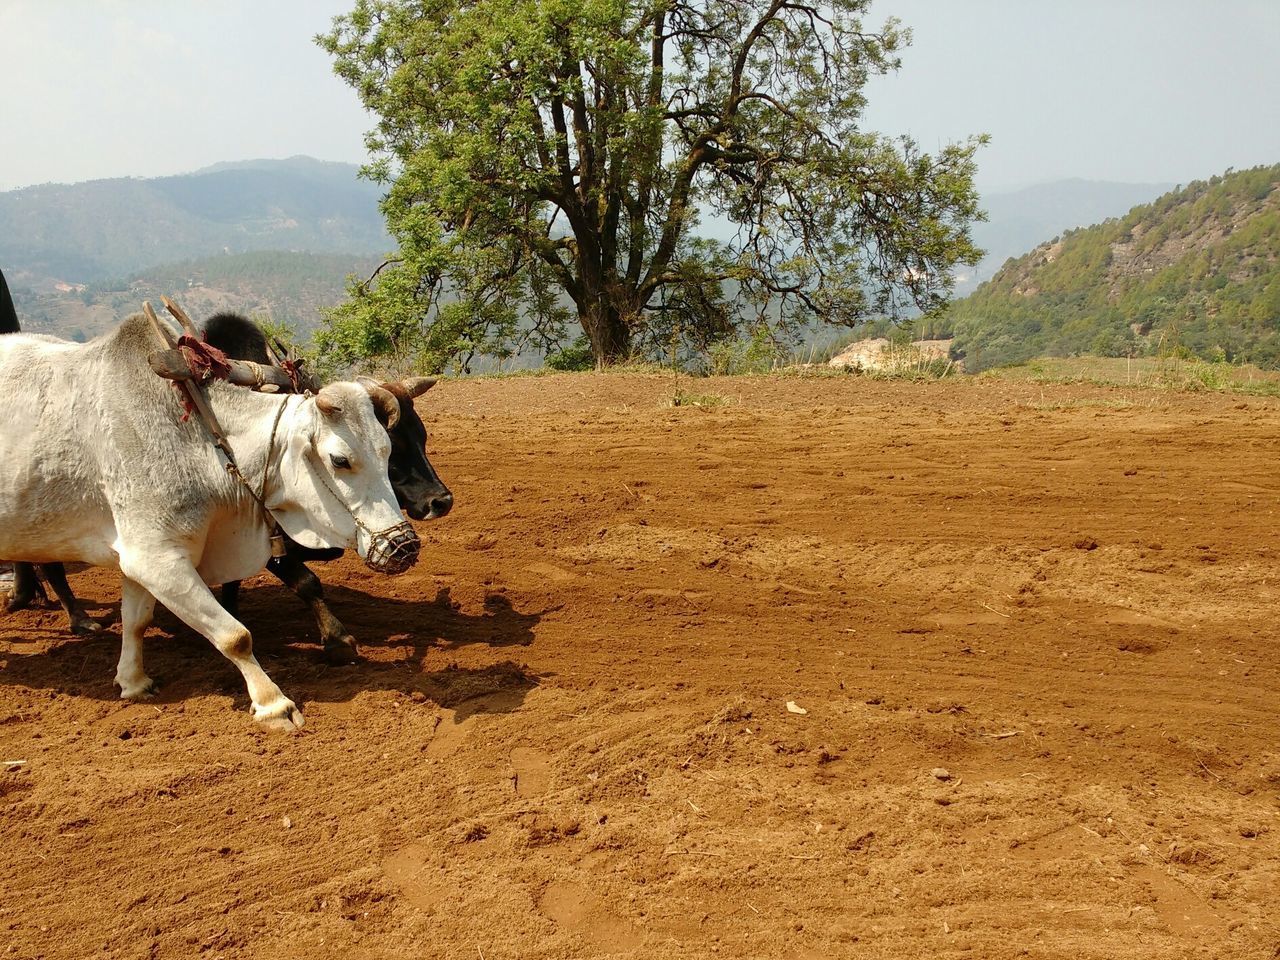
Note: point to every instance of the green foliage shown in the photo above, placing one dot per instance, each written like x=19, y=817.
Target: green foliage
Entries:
x=757, y=353
x=575, y=357
x=280, y=333
x=547, y=161
x=1198, y=271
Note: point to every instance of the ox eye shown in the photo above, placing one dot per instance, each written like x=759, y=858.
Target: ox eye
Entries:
x=340, y=463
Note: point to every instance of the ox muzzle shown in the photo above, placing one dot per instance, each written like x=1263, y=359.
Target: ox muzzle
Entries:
x=393, y=550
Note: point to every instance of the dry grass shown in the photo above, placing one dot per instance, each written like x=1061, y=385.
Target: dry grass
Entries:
x=909, y=362
x=1165, y=373
x=683, y=398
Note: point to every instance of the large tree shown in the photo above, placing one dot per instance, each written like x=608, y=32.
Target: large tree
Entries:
x=669, y=168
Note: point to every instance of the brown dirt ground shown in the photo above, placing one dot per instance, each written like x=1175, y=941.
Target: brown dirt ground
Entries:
x=569, y=735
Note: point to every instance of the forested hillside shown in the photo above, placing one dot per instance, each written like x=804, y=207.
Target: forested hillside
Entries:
x=1196, y=271
x=288, y=288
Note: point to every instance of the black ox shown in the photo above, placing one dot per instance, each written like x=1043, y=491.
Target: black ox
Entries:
x=417, y=487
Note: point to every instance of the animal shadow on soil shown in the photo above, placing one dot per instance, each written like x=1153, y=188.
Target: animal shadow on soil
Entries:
x=396, y=637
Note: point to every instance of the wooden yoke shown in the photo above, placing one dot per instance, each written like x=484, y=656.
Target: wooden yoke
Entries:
x=172, y=365
x=180, y=315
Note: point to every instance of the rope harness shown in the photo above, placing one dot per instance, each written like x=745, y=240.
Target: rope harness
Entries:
x=206, y=363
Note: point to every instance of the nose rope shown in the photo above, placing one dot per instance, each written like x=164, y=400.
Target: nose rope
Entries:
x=393, y=550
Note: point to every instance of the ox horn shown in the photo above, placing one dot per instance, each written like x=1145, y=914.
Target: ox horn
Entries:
x=385, y=404
x=329, y=405
x=417, y=386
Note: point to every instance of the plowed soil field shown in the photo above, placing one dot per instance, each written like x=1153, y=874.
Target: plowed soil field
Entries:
x=1032, y=632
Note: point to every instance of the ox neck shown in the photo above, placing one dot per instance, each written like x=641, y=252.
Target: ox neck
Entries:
x=247, y=418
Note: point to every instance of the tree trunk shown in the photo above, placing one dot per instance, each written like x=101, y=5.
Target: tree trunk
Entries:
x=605, y=325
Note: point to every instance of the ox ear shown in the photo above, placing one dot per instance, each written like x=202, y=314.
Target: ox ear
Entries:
x=385, y=404
x=417, y=386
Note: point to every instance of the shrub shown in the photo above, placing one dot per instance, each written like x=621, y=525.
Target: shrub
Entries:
x=575, y=357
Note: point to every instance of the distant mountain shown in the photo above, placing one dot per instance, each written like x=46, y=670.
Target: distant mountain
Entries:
x=1197, y=270
x=300, y=165
x=1018, y=220
x=94, y=231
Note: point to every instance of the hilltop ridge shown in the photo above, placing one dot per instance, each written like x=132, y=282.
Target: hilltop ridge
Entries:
x=1018, y=220
x=102, y=229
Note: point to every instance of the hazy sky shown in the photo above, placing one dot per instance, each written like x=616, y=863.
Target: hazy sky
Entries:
x=1161, y=90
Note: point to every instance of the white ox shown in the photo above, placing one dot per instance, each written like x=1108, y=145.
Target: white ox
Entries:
x=96, y=466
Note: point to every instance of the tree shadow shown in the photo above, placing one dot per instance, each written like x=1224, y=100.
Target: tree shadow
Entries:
x=397, y=638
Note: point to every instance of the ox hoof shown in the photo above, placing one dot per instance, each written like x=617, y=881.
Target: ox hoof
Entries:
x=85, y=626
x=342, y=650
x=138, y=688
x=11, y=603
x=281, y=717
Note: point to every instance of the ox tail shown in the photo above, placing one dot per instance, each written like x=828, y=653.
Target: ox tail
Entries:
x=8, y=316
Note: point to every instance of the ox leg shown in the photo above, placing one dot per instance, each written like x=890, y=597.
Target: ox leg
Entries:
x=81, y=622
x=26, y=587
x=174, y=582
x=230, y=597
x=339, y=646
x=136, y=609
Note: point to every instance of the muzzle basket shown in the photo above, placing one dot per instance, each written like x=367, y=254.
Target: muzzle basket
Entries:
x=393, y=550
